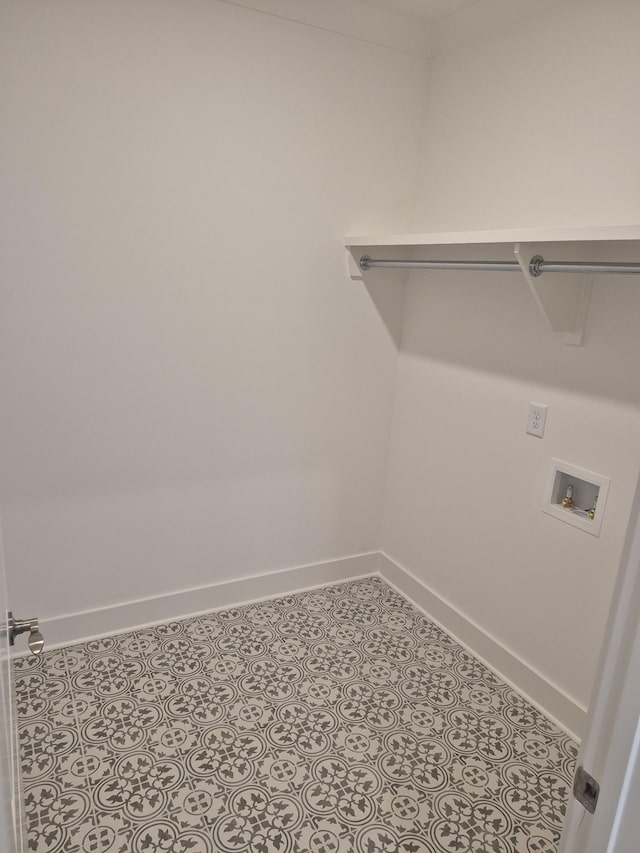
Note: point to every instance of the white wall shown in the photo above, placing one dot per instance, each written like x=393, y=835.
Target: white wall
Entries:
x=192, y=390
x=535, y=127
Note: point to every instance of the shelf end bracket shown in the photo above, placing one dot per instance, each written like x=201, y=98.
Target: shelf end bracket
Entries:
x=563, y=300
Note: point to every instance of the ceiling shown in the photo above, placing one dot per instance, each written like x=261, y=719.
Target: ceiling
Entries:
x=425, y=10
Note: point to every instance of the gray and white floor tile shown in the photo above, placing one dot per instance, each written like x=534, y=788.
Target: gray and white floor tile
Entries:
x=340, y=720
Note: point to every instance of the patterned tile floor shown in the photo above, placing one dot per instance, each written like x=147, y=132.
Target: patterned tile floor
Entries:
x=334, y=721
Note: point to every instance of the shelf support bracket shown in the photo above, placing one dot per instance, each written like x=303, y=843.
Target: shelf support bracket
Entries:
x=563, y=300
x=354, y=270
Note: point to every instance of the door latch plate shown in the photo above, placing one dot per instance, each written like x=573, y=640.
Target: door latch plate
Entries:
x=586, y=790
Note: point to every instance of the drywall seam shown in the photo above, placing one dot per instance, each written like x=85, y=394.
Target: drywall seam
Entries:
x=351, y=19
x=548, y=697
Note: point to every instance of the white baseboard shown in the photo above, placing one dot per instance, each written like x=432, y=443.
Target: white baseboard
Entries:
x=80, y=627
x=563, y=709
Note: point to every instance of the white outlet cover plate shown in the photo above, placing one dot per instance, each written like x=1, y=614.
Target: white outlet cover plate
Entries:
x=536, y=419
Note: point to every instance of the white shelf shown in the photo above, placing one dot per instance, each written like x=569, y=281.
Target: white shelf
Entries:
x=589, y=234
x=563, y=300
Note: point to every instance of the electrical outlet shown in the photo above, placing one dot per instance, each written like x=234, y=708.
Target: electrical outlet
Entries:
x=537, y=419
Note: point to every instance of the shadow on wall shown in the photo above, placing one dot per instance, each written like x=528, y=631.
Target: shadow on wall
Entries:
x=383, y=287
x=489, y=322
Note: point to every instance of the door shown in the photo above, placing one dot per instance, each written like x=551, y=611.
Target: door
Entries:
x=10, y=799
x=610, y=750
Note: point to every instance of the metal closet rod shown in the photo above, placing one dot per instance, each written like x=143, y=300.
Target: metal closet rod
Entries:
x=537, y=266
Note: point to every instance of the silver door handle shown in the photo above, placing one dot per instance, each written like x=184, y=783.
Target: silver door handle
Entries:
x=21, y=626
